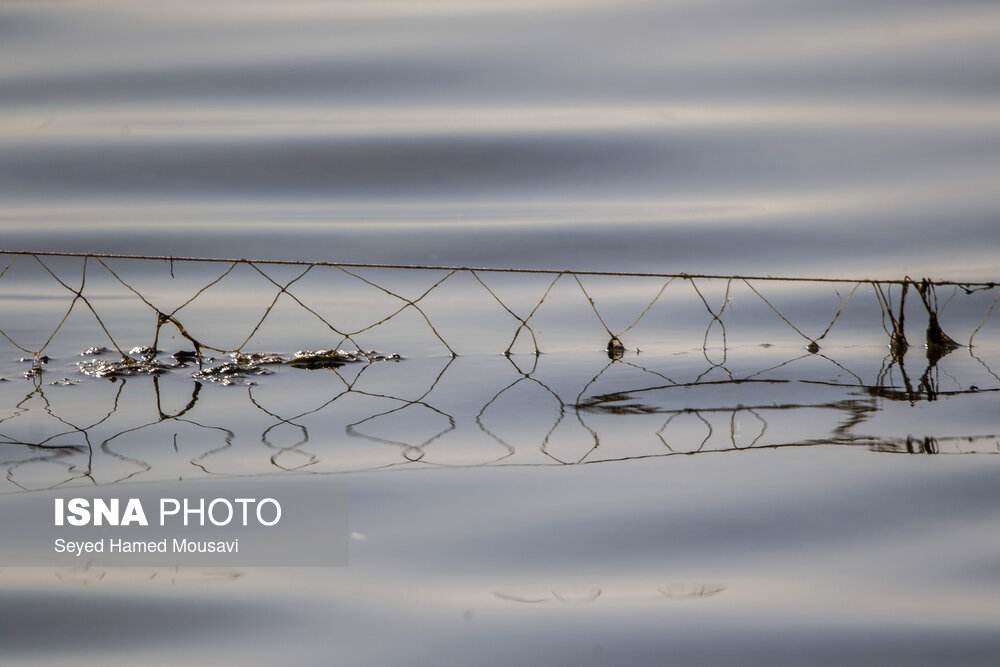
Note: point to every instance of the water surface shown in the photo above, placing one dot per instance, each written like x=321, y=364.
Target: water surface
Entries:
x=720, y=492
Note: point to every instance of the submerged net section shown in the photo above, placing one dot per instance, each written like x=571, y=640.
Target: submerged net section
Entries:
x=660, y=365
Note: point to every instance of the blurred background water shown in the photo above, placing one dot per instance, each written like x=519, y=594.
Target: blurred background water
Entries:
x=817, y=137
x=701, y=500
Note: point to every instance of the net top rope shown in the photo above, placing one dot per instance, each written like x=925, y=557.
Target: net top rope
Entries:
x=494, y=269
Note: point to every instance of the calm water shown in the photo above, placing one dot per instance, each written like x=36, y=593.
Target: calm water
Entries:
x=717, y=494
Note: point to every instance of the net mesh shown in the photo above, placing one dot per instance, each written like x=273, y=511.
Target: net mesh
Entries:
x=889, y=295
x=507, y=409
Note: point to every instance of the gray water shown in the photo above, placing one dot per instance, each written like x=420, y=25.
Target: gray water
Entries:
x=716, y=494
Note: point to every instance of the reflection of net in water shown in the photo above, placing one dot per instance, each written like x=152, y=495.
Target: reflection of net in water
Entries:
x=207, y=433
x=397, y=417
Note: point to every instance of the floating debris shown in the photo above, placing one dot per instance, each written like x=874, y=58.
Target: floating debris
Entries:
x=142, y=361
x=36, y=366
x=237, y=370
x=125, y=367
x=41, y=360
x=65, y=382
x=230, y=373
x=311, y=360
x=186, y=357
x=258, y=358
x=245, y=364
x=372, y=355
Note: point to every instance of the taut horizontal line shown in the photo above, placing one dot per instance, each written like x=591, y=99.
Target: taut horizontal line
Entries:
x=494, y=269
